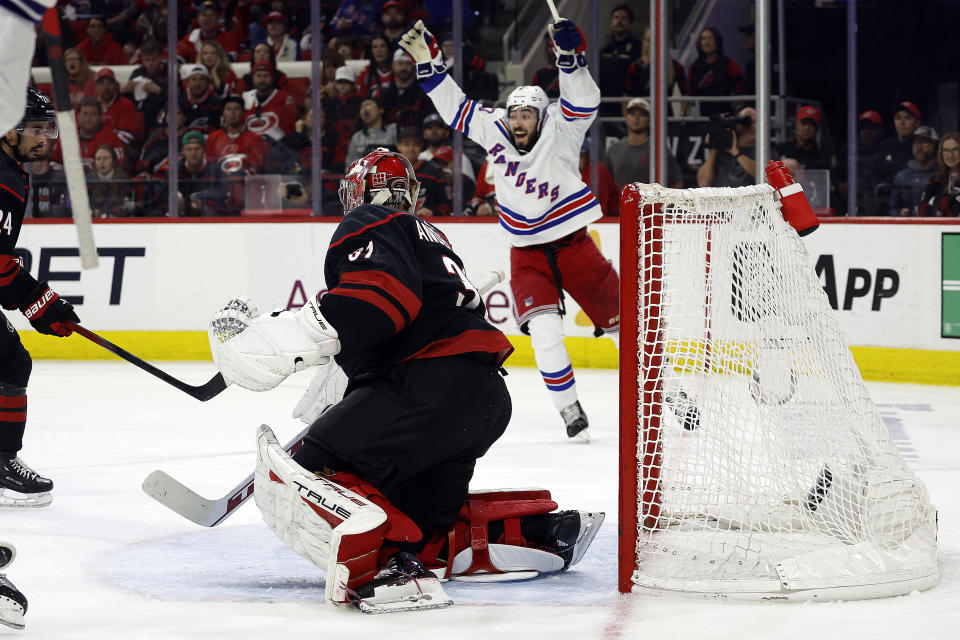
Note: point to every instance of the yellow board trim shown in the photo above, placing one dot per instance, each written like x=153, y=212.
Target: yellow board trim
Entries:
x=920, y=366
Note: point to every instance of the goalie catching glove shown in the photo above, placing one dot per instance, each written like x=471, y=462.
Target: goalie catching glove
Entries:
x=424, y=49
x=258, y=352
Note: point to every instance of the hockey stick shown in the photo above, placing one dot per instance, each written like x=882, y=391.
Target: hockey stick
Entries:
x=553, y=10
x=175, y=496
x=69, y=142
x=204, y=392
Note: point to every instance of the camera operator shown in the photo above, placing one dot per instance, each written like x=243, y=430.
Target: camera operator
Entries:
x=731, y=142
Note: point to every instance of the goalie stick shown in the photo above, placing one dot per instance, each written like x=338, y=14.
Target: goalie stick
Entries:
x=204, y=392
x=206, y=512
x=69, y=141
x=177, y=497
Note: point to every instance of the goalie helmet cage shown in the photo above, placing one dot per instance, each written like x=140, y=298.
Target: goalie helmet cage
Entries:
x=753, y=463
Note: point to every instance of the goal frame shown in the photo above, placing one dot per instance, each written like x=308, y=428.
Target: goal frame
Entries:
x=641, y=400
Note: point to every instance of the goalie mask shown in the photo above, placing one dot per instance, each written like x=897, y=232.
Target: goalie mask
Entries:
x=534, y=98
x=382, y=177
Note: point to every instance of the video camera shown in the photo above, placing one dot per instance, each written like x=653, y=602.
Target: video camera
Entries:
x=721, y=129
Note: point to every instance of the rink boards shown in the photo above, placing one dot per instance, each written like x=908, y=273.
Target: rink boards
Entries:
x=895, y=285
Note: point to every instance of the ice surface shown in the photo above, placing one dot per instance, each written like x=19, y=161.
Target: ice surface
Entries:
x=105, y=561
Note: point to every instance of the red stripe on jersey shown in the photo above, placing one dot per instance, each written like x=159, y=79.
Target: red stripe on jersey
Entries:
x=369, y=226
x=375, y=299
x=383, y=280
x=13, y=402
x=466, y=342
x=18, y=196
x=13, y=418
x=9, y=268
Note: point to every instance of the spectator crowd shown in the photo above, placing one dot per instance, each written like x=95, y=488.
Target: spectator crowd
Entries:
x=244, y=129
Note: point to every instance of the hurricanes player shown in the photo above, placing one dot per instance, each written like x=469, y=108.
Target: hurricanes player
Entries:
x=17, y=22
x=534, y=147
x=377, y=495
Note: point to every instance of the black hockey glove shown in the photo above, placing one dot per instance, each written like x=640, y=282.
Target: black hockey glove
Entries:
x=47, y=312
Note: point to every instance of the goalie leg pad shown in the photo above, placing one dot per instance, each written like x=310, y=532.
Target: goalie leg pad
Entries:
x=338, y=530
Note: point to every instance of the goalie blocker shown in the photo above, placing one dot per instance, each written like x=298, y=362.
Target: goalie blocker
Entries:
x=345, y=526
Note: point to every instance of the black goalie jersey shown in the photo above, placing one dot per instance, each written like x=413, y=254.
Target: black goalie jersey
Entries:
x=397, y=292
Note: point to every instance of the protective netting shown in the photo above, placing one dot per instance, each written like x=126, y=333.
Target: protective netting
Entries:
x=764, y=468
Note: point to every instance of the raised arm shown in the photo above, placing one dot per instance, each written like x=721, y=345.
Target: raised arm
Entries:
x=482, y=125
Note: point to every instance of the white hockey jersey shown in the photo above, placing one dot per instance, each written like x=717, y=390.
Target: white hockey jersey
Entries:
x=541, y=196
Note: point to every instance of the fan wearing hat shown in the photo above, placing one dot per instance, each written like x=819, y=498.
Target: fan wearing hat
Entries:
x=434, y=195
x=894, y=153
x=344, y=102
x=403, y=99
x=393, y=19
x=208, y=28
x=285, y=47
x=869, y=135
x=118, y=111
x=908, y=185
x=629, y=158
x=437, y=134
x=804, y=147
x=198, y=184
x=269, y=111
x=201, y=106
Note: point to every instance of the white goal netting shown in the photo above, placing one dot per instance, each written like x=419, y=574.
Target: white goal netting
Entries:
x=764, y=469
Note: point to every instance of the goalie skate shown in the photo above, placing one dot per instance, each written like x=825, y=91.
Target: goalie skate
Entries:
x=573, y=532
x=404, y=585
x=21, y=486
x=13, y=604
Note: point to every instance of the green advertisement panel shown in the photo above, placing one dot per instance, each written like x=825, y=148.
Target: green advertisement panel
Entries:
x=950, y=292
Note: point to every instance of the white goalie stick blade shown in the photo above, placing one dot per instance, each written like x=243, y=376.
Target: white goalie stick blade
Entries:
x=205, y=512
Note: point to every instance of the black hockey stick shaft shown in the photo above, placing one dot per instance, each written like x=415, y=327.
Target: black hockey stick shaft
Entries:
x=204, y=392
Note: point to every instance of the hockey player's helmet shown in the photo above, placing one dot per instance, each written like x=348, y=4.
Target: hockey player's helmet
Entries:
x=382, y=177
x=529, y=96
x=39, y=110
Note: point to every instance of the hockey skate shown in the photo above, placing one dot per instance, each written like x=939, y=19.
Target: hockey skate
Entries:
x=7, y=553
x=21, y=486
x=404, y=585
x=572, y=533
x=576, y=421
x=13, y=604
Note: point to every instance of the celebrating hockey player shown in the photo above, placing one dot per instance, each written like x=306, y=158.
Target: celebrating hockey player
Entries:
x=30, y=140
x=533, y=147
x=13, y=604
x=377, y=495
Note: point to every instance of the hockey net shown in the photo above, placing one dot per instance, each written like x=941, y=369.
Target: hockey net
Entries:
x=753, y=461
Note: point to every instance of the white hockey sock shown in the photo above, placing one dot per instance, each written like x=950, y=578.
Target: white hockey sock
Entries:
x=553, y=361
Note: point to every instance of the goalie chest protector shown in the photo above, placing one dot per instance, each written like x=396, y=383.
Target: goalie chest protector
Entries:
x=398, y=291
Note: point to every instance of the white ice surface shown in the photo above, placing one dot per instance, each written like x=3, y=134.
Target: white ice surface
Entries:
x=107, y=562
